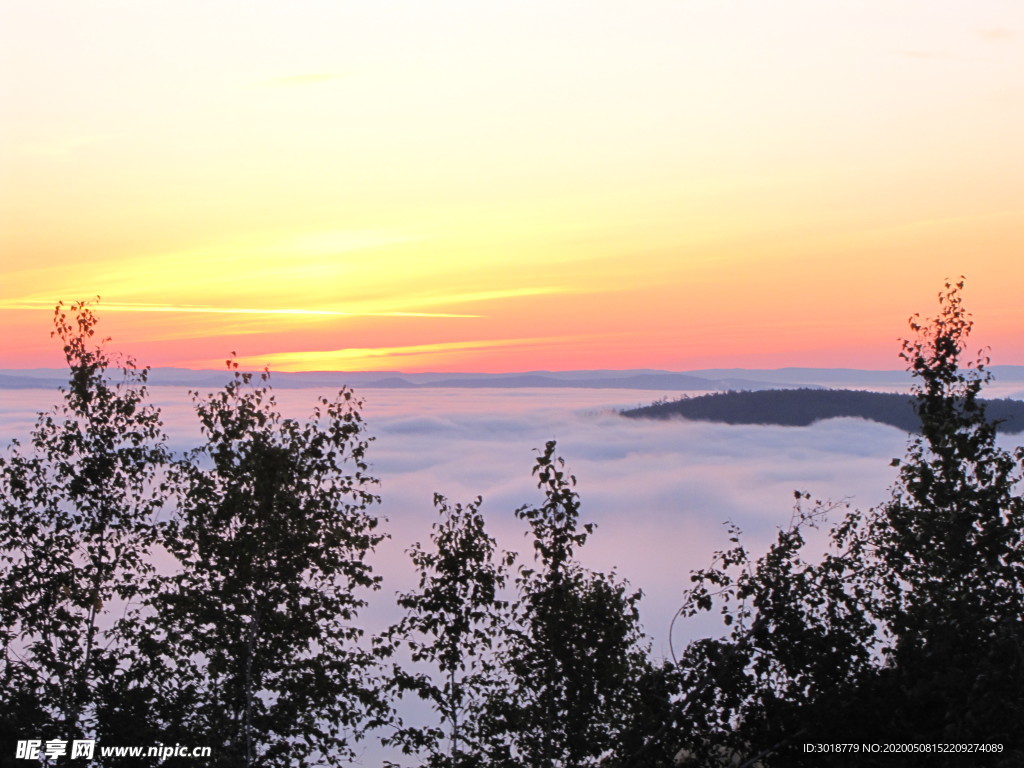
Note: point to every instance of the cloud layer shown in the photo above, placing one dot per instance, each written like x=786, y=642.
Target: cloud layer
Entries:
x=660, y=491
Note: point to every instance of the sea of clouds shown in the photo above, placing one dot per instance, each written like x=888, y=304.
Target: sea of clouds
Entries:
x=660, y=492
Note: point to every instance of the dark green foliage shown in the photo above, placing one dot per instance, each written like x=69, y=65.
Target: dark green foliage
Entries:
x=247, y=640
x=559, y=678
x=453, y=623
x=801, y=640
x=803, y=407
x=952, y=539
x=252, y=642
x=645, y=735
x=909, y=629
x=77, y=529
x=575, y=652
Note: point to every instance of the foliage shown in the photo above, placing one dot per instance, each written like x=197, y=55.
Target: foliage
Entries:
x=453, y=623
x=558, y=678
x=802, y=407
x=252, y=641
x=574, y=651
x=77, y=530
x=909, y=629
x=952, y=539
x=801, y=640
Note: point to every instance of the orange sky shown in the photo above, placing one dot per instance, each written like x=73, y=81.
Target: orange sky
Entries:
x=510, y=186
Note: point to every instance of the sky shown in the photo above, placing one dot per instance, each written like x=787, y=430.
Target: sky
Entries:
x=499, y=186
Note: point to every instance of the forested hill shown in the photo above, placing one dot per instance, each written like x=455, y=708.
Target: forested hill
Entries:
x=801, y=407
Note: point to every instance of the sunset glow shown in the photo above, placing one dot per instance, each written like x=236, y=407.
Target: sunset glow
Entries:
x=503, y=187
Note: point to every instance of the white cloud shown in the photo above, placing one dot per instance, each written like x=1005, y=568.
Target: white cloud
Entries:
x=658, y=490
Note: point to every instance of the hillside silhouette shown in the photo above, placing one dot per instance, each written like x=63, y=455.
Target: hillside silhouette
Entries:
x=803, y=407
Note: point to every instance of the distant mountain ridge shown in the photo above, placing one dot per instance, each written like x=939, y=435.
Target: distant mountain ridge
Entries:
x=630, y=379
x=803, y=407
x=642, y=379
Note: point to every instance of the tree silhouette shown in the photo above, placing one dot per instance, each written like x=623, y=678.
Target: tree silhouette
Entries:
x=575, y=651
x=453, y=623
x=952, y=540
x=77, y=531
x=908, y=630
x=254, y=643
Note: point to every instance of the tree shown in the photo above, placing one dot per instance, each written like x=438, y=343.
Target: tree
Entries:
x=801, y=645
x=77, y=532
x=574, y=652
x=453, y=622
x=952, y=539
x=908, y=630
x=253, y=641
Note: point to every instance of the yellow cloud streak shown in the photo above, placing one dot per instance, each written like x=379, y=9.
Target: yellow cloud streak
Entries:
x=342, y=359
x=196, y=309
x=360, y=307
x=316, y=271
